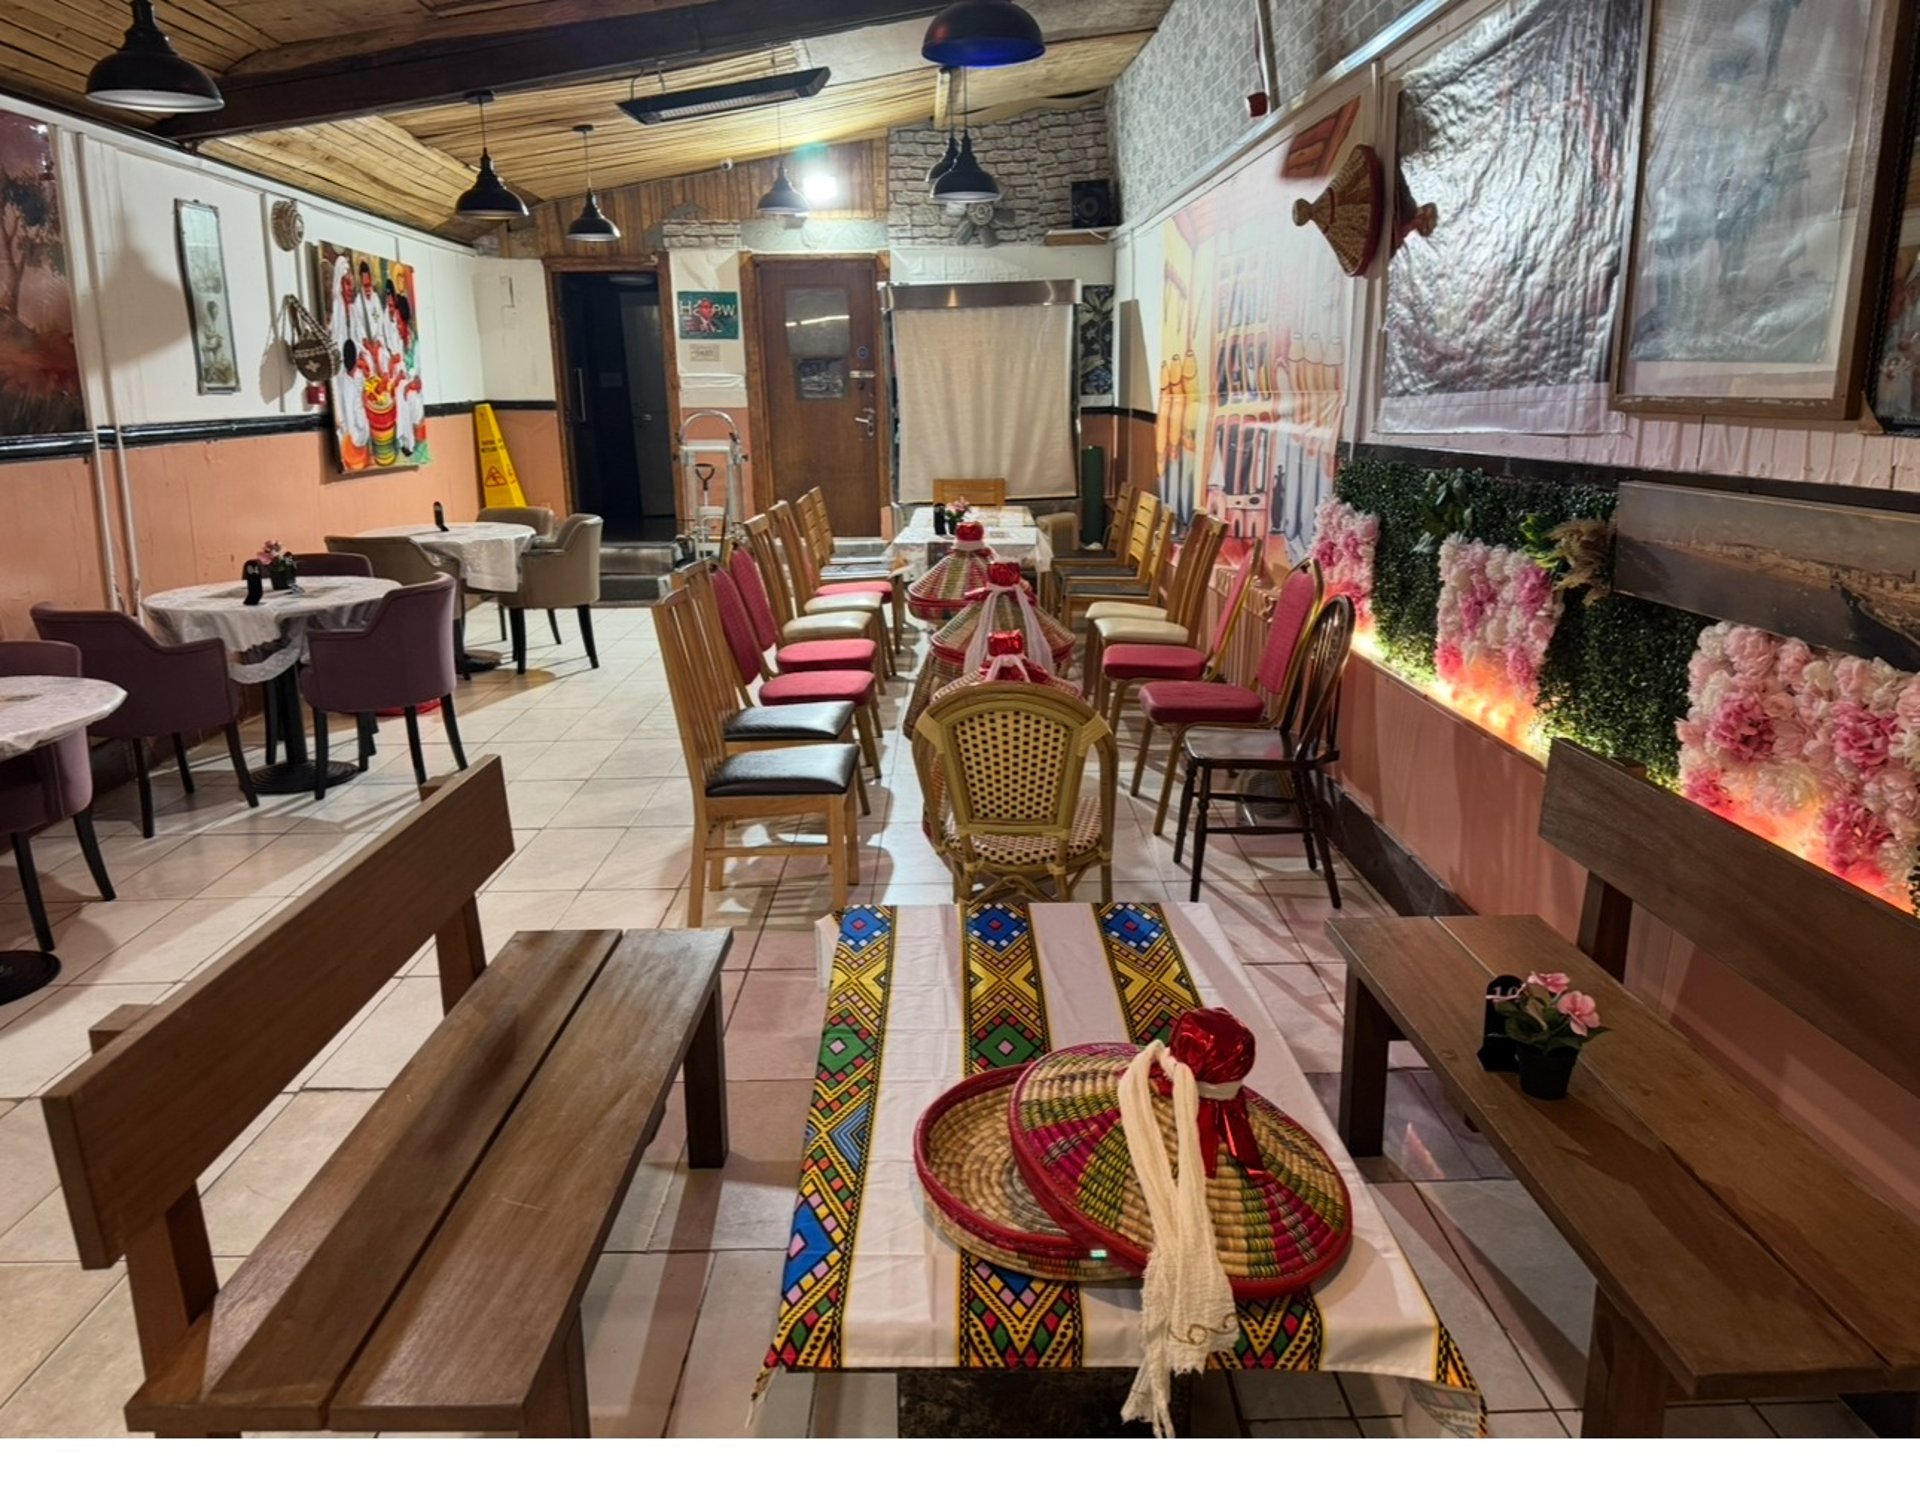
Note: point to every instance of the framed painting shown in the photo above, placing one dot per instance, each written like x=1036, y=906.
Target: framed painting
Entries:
x=203, y=269
x=1893, y=379
x=1760, y=219
x=39, y=370
x=371, y=309
x=709, y=315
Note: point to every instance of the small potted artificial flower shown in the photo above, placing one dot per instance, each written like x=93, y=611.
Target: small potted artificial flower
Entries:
x=279, y=565
x=1548, y=1022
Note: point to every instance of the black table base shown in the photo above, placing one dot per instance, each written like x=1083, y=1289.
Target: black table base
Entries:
x=296, y=772
x=286, y=778
x=23, y=974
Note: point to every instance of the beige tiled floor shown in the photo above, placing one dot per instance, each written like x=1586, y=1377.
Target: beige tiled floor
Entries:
x=679, y=1310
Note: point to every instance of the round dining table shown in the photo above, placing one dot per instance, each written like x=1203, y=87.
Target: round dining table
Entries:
x=486, y=557
x=37, y=710
x=265, y=645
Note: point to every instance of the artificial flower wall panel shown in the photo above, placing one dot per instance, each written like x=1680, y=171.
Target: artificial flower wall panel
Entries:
x=1498, y=609
x=1344, y=541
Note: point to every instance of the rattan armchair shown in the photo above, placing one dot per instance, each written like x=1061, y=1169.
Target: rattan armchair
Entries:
x=1003, y=777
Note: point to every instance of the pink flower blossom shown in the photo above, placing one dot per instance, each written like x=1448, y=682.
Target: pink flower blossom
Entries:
x=1447, y=661
x=1861, y=738
x=1706, y=788
x=1740, y=730
x=1851, y=835
x=1791, y=661
x=1555, y=984
x=1751, y=652
x=1581, y=1013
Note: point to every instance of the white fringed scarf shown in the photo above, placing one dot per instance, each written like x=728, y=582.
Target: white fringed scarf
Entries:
x=1187, y=1309
x=1038, y=648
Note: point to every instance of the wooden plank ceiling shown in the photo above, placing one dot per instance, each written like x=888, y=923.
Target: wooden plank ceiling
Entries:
x=410, y=163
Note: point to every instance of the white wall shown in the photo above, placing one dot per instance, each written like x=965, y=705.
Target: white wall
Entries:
x=117, y=195
x=1090, y=265
x=512, y=324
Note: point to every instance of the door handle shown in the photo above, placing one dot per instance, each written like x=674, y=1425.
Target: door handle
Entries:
x=579, y=395
x=865, y=420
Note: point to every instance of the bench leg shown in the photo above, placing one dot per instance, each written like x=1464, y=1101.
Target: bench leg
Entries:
x=1363, y=1070
x=1891, y=1416
x=705, y=1071
x=557, y=1408
x=1627, y=1385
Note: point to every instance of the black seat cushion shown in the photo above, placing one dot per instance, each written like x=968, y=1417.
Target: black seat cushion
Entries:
x=790, y=772
x=826, y=721
x=1249, y=749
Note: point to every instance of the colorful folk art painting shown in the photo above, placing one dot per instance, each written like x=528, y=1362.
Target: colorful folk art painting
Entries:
x=1252, y=380
x=371, y=307
x=39, y=371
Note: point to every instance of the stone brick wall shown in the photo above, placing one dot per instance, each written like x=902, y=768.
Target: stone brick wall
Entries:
x=1183, y=99
x=1036, y=158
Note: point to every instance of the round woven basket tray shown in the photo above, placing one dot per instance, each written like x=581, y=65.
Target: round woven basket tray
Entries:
x=1273, y=1238
x=964, y=1155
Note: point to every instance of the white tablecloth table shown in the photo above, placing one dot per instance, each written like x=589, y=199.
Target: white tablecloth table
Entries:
x=266, y=640
x=488, y=553
x=38, y=709
x=1011, y=535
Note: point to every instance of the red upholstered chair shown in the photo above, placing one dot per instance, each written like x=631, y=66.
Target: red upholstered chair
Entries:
x=41, y=788
x=400, y=659
x=1180, y=705
x=1127, y=665
x=857, y=686
x=172, y=689
x=791, y=657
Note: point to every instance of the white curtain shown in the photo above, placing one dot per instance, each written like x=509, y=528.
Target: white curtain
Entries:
x=986, y=392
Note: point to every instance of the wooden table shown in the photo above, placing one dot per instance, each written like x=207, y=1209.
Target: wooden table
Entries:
x=36, y=710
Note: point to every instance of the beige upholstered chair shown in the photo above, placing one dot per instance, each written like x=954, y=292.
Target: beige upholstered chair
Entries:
x=394, y=557
x=1003, y=779
x=1177, y=624
x=565, y=573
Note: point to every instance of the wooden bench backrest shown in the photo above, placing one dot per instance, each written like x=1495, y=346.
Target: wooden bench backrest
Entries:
x=1843, y=961
x=981, y=492
x=134, y=1127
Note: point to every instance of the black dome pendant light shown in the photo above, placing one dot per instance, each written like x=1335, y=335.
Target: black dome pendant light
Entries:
x=967, y=181
x=488, y=200
x=592, y=226
x=952, y=158
x=147, y=74
x=783, y=198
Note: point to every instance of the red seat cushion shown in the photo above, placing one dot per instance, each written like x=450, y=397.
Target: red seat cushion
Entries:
x=810, y=657
x=1152, y=660
x=856, y=588
x=852, y=685
x=1176, y=702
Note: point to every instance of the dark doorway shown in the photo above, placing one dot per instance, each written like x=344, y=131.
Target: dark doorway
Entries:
x=620, y=424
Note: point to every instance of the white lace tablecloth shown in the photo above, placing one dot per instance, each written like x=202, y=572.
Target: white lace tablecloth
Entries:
x=1011, y=535
x=36, y=709
x=488, y=553
x=270, y=638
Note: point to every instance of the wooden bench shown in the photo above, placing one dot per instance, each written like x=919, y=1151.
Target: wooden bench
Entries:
x=430, y=1276
x=1734, y=1256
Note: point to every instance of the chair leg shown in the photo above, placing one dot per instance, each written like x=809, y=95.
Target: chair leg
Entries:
x=144, y=781
x=413, y=744
x=180, y=759
x=1186, y=807
x=460, y=641
x=319, y=754
x=1166, y=787
x=553, y=621
x=1205, y=805
x=837, y=852
x=586, y=635
x=1315, y=830
x=852, y=817
x=501, y=607
x=30, y=888
x=867, y=726
x=517, y=625
x=367, y=728
x=1140, y=756
x=697, y=872
x=90, y=849
x=453, y=731
x=238, y=751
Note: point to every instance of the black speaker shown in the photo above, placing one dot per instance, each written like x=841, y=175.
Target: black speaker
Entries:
x=1093, y=204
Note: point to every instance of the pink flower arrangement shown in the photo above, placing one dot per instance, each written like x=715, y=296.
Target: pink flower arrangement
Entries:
x=1344, y=540
x=1546, y=1011
x=271, y=553
x=1498, y=609
x=1816, y=750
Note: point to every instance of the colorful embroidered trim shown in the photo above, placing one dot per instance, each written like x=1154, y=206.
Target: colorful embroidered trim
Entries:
x=1009, y=1319
x=813, y=1287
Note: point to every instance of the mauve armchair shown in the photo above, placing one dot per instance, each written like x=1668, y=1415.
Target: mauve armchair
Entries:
x=399, y=660
x=334, y=564
x=173, y=689
x=41, y=788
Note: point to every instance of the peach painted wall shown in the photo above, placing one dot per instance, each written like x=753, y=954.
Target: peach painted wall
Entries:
x=533, y=440
x=53, y=540
x=1468, y=806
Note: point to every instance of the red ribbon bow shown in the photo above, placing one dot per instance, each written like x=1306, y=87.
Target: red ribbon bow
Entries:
x=1219, y=1049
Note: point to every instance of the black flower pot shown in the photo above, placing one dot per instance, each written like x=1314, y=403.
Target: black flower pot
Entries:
x=282, y=577
x=1497, y=1049
x=1546, y=1074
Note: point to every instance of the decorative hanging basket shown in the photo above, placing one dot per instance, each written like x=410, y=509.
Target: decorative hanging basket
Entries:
x=964, y=1155
x=1281, y=1213
x=312, y=352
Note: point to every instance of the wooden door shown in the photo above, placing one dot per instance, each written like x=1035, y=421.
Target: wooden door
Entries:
x=822, y=420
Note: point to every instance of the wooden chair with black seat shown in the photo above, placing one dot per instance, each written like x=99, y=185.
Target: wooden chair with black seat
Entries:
x=565, y=573
x=1003, y=777
x=1298, y=750
x=751, y=786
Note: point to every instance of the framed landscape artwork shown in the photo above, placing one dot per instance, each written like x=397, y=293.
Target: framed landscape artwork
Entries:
x=371, y=309
x=1893, y=379
x=1762, y=200
x=39, y=371
x=203, y=267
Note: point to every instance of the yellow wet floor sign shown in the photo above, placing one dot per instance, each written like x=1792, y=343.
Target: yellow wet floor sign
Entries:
x=499, y=486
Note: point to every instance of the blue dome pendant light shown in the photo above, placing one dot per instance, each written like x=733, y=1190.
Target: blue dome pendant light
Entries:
x=982, y=33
